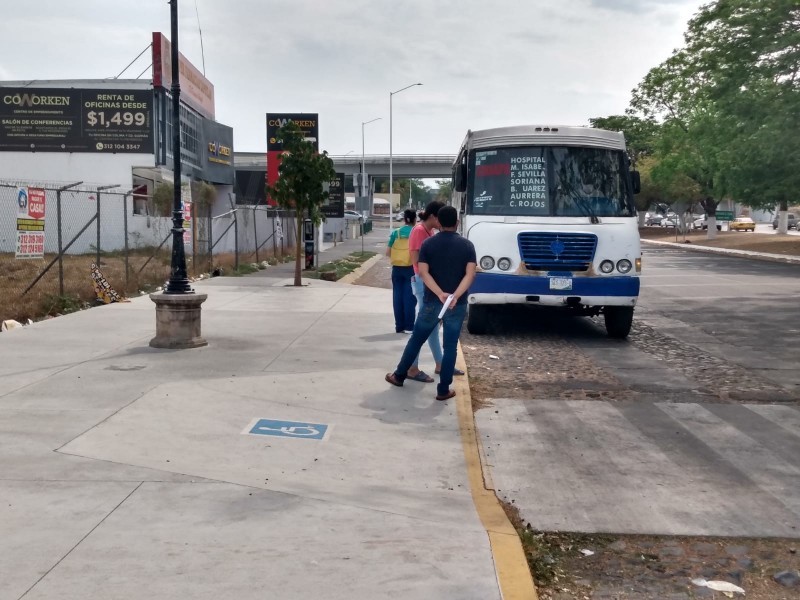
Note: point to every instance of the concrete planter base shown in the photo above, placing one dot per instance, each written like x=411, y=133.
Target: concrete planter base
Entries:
x=178, y=321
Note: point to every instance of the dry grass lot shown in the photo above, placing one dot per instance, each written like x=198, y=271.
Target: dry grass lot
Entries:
x=788, y=245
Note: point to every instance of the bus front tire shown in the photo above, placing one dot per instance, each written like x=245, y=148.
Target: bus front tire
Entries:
x=618, y=321
x=477, y=319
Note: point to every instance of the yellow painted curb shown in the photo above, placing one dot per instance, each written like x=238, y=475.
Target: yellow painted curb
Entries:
x=353, y=275
x=513, y=574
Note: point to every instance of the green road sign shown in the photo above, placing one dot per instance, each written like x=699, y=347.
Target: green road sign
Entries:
x=724, y=215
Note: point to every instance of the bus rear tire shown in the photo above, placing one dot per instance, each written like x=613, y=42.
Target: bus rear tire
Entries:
x=477, y=319
x=618, y=321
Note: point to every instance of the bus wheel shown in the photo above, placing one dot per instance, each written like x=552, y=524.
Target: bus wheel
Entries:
x=618, y=321
x=477, y=319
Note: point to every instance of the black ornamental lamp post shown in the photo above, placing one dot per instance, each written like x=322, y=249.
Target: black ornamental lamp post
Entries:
x=178, y=279
x=178, y=308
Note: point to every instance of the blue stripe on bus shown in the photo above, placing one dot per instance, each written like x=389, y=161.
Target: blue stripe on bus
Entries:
x=494, y=283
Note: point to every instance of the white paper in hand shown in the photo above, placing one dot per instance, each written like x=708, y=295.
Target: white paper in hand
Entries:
x=445, y=306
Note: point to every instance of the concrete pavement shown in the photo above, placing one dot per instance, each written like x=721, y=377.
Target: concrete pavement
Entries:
x=275, y=462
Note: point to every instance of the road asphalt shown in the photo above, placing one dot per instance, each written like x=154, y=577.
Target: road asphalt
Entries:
x=273, y=463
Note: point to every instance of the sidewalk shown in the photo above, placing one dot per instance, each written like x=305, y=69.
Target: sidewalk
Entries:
x=273, y=463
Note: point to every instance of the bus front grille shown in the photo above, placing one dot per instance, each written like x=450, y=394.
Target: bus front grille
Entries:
x=551, y=251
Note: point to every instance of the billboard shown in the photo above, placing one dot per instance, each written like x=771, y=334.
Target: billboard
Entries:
x=217, y=152
x=309, y=125
x=334, y=205
x=196, y=90
x=76, y=120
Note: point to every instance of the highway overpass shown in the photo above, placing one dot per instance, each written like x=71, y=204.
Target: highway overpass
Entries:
x=251, y=169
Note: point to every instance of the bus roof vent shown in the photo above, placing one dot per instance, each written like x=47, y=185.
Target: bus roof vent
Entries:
x=554, y=129
x=538, y=129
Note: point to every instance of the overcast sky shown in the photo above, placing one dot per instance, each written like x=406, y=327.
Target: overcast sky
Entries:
x=482, y=63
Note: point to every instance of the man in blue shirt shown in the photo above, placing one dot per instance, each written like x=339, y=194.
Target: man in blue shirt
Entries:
x=447, y=266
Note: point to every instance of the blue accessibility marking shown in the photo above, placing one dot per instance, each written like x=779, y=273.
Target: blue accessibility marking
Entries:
x=289, y=429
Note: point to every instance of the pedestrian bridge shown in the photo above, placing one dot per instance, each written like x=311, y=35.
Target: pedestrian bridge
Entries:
x=418, y=166
x=251, y=170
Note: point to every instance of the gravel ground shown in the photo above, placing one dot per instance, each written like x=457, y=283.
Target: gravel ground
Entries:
x=627, y=567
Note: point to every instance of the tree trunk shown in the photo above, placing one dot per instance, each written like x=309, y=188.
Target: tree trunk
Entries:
x=299, y=249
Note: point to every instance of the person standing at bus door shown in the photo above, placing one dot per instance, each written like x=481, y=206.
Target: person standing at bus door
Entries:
x=447, y=265
x=403, y=300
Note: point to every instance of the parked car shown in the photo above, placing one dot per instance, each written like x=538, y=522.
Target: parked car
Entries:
x=742, y=224
x=671, y=220
x=352, y=215
x=791, y=220
x=653, y=220
x=702, y=223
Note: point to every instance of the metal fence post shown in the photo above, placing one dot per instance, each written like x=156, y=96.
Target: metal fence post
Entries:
x=99, y=189
x=210, y=240
x=60, y=251
x=235, y=233
x=125, y=235
x=274, y=234
x=255, y=230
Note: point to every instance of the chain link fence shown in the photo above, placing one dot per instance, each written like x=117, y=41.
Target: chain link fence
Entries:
x=48, y=248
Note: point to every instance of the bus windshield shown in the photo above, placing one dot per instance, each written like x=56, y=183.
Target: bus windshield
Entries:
x=548, y=181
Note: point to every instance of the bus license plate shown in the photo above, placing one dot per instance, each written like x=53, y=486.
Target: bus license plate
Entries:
x=560, y=283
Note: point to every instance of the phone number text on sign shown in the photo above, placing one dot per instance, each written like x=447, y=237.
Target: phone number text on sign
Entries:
x=30, y=245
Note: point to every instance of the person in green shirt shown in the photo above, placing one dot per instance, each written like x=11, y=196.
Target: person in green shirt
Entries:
x=403, y=300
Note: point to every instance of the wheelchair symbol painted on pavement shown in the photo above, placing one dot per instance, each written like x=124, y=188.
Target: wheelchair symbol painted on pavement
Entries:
x=288, y=429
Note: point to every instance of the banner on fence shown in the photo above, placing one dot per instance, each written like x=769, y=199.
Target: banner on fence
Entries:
x=186, y=207
x=31, y=204
x=105, y=293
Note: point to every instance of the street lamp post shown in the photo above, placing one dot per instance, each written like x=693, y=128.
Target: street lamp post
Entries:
x=363, y=163
x=178, y=308
x=390, y=150
x=178, y=280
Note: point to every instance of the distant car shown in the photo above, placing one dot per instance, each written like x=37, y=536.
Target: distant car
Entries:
x=653, y=220
x=742, y=224
x=399, y=216
x=352, y=215
x=669, y=221
x=702, y=223
x=791, y=220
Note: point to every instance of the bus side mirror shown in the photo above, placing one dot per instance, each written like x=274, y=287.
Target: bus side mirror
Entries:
x=636, y=182
x=460, y=178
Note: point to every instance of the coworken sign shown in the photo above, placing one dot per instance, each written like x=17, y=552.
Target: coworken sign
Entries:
x=30, y=100
x=76, y=120
x=308, y=124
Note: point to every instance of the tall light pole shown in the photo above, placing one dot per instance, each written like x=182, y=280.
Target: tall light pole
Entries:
x=178, y=308
x=178, y=280
x=363, y=163
x=390, y=150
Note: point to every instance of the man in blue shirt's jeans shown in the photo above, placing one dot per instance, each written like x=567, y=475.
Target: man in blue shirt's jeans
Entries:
x=447, y=266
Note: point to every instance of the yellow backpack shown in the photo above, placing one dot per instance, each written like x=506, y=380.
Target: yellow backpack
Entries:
x=400, y=254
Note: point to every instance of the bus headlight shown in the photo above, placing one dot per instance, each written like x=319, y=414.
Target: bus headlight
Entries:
x=624, y=266
x=606, y=266
x=487, y=262
x=504, y=264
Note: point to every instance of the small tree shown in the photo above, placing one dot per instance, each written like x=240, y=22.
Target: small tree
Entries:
x=304, y=175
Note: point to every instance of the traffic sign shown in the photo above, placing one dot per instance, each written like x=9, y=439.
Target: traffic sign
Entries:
x=724, y=215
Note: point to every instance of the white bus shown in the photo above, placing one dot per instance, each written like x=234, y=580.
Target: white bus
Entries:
x=550, y=211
